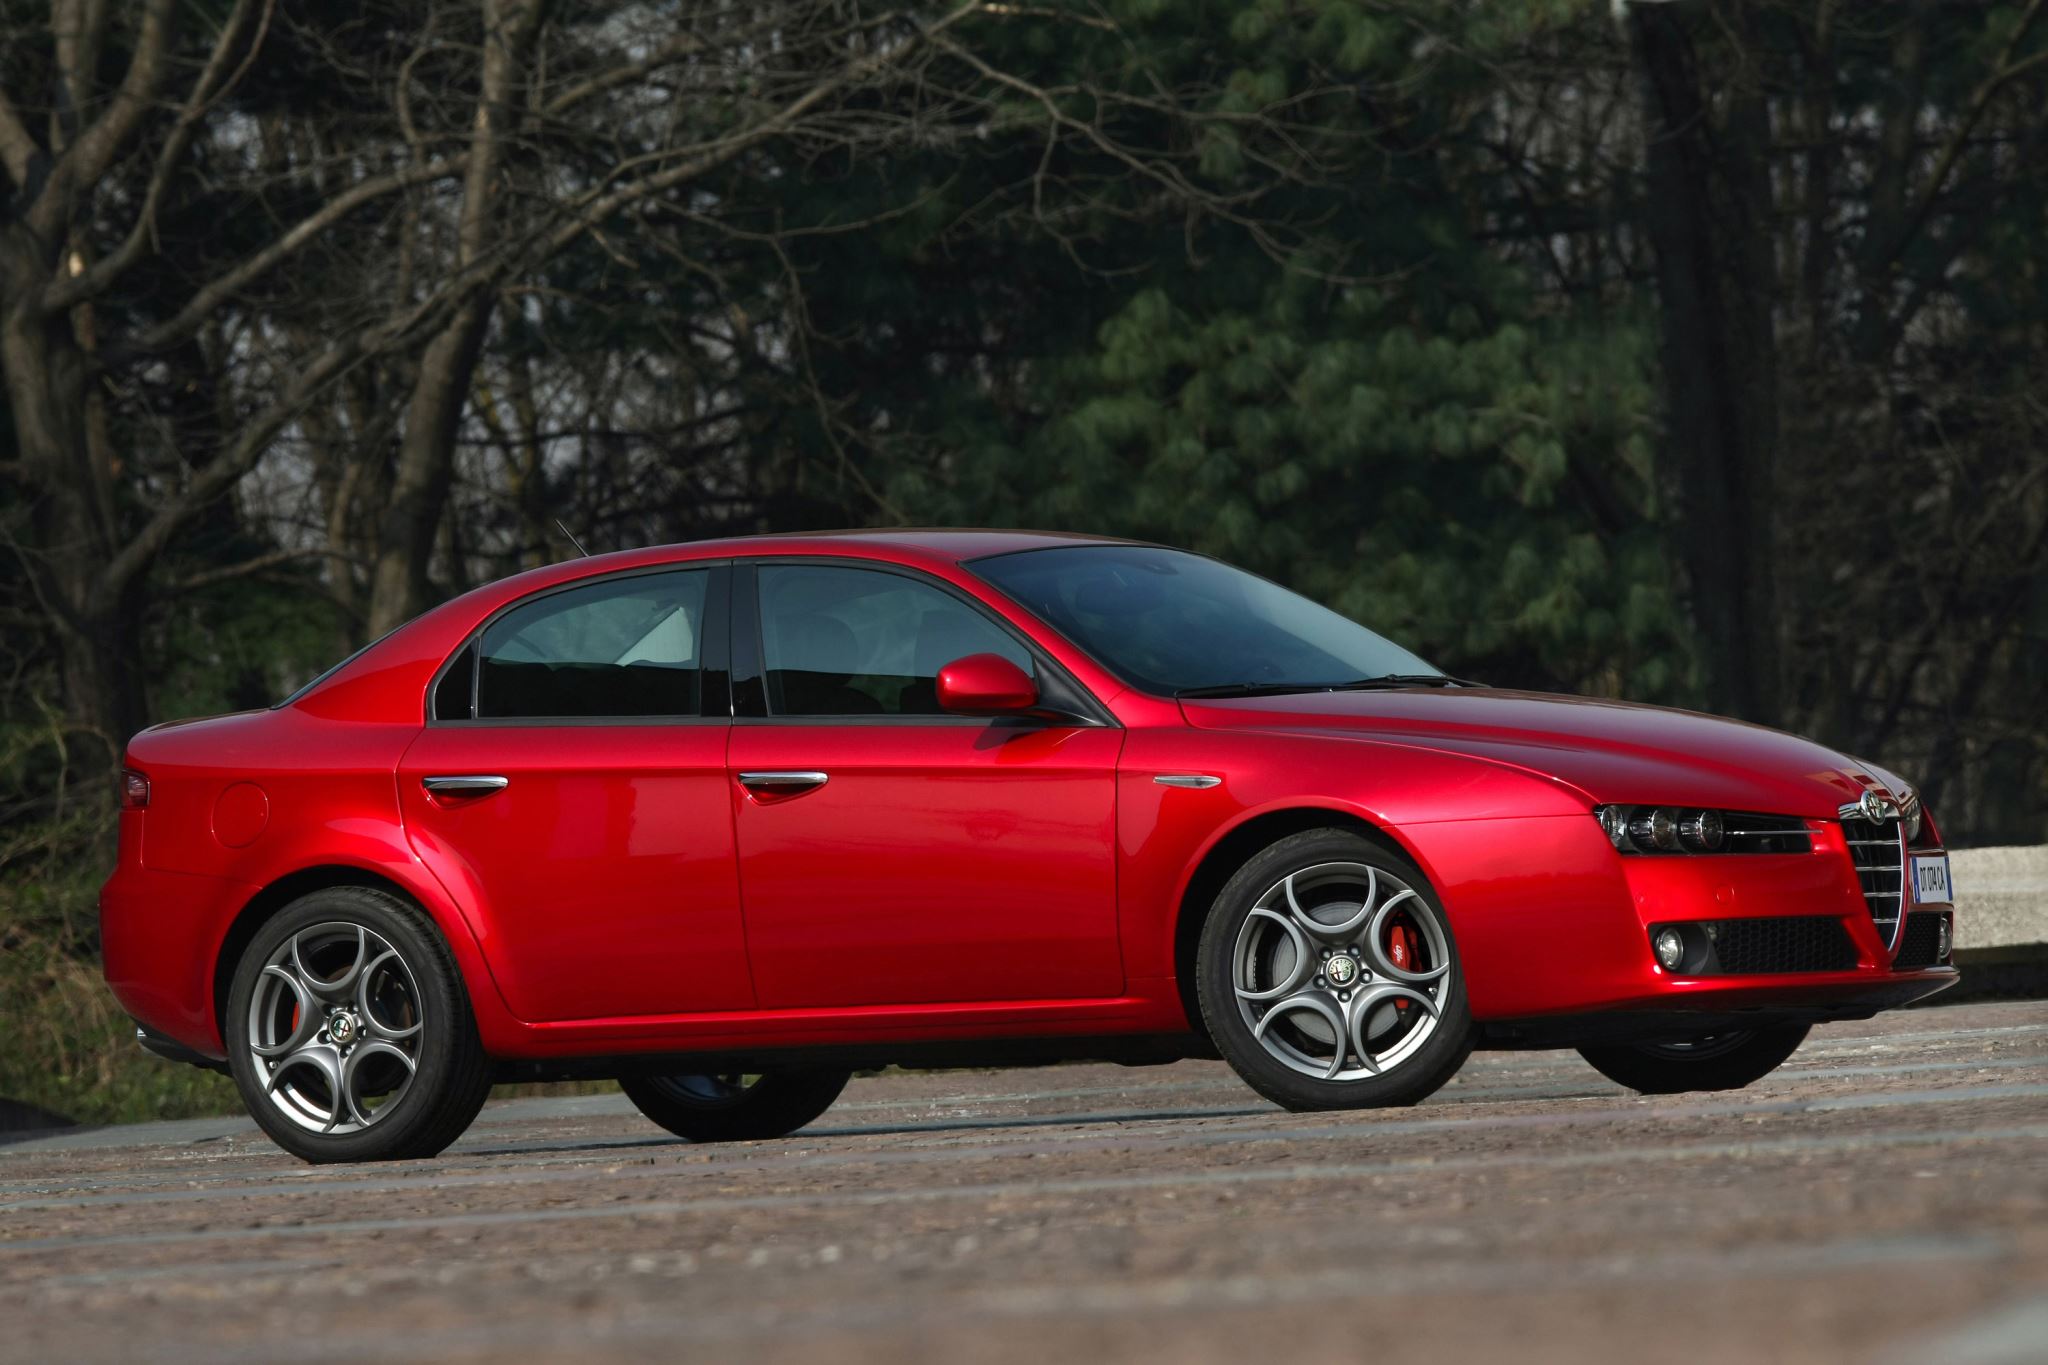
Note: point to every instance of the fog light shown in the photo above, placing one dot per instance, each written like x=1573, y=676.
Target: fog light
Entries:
x=1944, y=939
x=1670, y=946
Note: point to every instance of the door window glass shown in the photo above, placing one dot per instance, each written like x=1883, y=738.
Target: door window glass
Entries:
x=627, y=646
x=860, y=642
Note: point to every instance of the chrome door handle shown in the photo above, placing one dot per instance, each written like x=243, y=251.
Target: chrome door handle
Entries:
x=786, y=783
x=473, y=784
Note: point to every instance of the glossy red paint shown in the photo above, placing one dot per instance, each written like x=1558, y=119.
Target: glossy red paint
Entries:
x=949, y=862
x=955, y=877
x=985, y=685
x=605, y=835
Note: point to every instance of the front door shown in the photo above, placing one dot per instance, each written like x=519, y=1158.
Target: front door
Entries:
x=571, y=792
x=890, y=854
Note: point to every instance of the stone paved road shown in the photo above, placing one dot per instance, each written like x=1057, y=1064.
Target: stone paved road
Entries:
x=1884, y=1197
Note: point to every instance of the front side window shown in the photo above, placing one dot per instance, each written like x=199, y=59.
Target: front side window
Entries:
x=1167, y=621
x=862, y=642
x=622, y=647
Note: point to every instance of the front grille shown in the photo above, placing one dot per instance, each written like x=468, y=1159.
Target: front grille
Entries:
x=1793, y=943
x=1921, y=944
x=1881, y=866
x=1749, y=832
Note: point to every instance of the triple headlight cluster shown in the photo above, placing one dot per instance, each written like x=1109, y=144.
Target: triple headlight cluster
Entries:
x=1664, y=829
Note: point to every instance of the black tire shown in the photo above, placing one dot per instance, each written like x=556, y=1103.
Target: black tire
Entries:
x=1724, y=1061
x=450, y=1075
x=1417, y=1074
x=728, y=1109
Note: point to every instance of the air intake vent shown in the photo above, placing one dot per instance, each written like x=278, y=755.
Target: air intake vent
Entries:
x=1921, y=947
x=1798, y=943
x=1880, y=859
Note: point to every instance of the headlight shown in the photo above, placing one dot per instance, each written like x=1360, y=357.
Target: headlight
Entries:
x=1698, y=829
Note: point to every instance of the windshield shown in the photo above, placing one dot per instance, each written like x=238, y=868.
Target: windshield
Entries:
x=1167, y=622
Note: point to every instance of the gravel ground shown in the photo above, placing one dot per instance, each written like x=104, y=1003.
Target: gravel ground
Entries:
x=1882, y=1197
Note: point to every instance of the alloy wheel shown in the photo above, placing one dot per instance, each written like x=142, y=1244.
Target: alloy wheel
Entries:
x=1340, y=970
x=335, y=1027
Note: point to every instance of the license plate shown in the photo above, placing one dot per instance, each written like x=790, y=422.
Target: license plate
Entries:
x=1930, y=881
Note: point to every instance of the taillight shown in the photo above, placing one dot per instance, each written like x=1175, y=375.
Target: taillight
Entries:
x=134, y=790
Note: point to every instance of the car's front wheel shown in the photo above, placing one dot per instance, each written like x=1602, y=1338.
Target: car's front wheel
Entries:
x=1328, y=976
x=1715, y=1061
x=736, y=1106
x=349, y=1033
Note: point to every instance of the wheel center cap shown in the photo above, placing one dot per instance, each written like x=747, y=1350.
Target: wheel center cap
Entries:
x=342, y=1028
x=1341, y=969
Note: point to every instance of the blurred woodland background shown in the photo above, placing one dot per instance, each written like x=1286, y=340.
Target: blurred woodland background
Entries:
x=1690, y=353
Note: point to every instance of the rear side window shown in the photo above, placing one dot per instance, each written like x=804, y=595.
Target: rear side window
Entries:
x=622, y=647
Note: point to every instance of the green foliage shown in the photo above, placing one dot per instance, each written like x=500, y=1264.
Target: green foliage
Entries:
x=1384, y=415
x=1421, y=483
x=65, y=1046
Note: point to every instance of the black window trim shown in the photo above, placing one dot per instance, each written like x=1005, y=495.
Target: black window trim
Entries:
x=714, y=666
x=750, y=693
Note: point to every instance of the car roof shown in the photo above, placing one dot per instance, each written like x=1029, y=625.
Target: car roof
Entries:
x=955, y=543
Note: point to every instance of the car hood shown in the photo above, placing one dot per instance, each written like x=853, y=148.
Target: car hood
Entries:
x=1609, y=751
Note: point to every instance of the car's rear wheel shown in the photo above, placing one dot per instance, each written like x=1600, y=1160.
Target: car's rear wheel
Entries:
x=349, y=1033
x=1714, y=1061
x=1328, y=976
x=736, y=1106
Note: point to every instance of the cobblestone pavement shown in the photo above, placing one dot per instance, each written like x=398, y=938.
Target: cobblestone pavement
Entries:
x=1883, y=1197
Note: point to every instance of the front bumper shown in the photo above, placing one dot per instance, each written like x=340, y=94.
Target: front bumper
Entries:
x=1573, y=940
x=1755, y=1003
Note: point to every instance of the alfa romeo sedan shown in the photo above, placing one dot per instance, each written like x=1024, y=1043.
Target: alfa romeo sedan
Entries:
x=729, y=820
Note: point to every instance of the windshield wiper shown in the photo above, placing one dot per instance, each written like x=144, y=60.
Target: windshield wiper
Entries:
x=1274, y=689
x=1402, y=680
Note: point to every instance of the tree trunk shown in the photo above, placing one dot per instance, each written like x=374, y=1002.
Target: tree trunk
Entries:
x=95, y=620
x=1709, y=219
x=400, y=585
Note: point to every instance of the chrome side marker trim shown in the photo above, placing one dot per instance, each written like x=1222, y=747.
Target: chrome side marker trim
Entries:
x=1196, y=780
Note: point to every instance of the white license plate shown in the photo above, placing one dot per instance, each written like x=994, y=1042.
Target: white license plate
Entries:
x=1930, y=881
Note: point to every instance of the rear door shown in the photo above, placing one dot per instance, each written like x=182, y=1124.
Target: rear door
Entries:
x=890, y=854
x=570, y=789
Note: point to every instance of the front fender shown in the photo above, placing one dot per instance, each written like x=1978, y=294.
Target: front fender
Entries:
x=1165, y=834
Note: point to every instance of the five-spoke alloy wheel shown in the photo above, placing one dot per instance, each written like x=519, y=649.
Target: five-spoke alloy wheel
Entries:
x=1328, y=976
x=349, y=1034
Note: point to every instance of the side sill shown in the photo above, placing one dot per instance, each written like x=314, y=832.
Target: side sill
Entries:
x=1131, y=1049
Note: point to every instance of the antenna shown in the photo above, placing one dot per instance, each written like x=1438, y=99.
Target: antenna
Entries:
x=572, y=539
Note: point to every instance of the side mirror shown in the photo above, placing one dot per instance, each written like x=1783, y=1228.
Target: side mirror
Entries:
x=985, y=685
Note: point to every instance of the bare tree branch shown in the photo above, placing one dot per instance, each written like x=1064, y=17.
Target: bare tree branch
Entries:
x=17, y=148
x=72, y=289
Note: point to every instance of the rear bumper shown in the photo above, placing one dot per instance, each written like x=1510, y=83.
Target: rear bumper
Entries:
x=173, y=1051
x=160, y=935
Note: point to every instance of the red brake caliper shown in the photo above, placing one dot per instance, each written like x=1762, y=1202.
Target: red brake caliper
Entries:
x=1401, y=952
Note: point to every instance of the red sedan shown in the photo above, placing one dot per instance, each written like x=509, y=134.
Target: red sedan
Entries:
x=728, y=820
